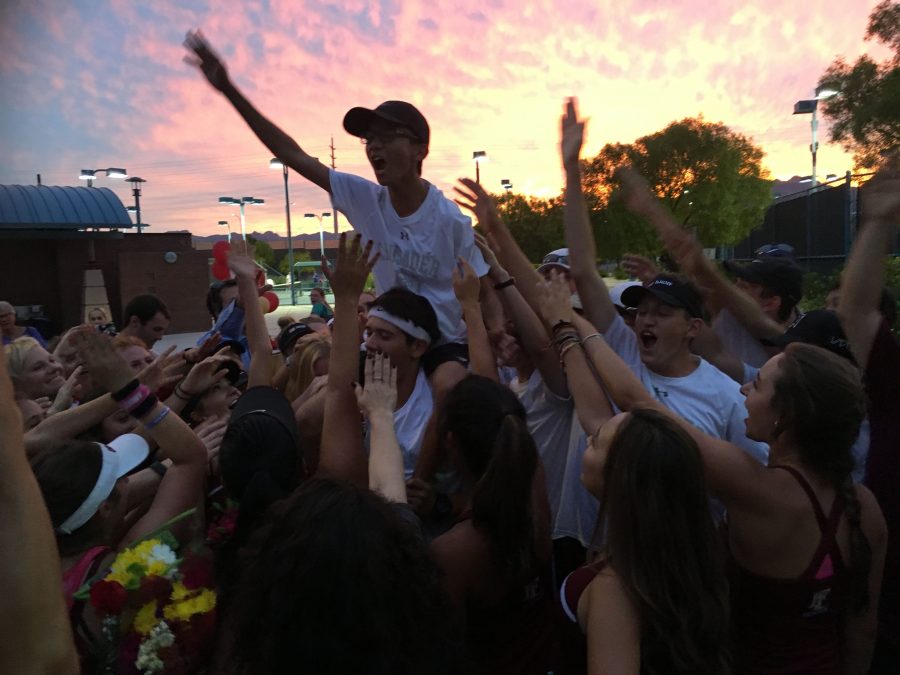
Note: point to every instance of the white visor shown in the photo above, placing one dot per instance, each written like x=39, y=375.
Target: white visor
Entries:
x=405, y=325
x=118, y=458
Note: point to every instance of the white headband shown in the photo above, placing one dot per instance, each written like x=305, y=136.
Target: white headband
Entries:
x=132, y=450
x=405, y=325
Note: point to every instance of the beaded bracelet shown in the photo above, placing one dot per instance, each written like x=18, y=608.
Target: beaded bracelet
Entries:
x=126, y=390
x=159, y=418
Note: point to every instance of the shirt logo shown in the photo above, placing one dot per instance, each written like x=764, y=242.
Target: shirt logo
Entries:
x=818, y=605
x=404, y=235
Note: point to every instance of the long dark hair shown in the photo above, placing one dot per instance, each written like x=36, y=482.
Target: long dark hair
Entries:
x=337, y=581
x=820, y=401
x=488, y=424
x=663, y=545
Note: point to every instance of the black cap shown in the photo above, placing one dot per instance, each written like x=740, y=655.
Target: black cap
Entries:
x=261, y=437
x=358, y=121
x=290, y=335
x=780, y=275
x=821, y=328
x=668, y=290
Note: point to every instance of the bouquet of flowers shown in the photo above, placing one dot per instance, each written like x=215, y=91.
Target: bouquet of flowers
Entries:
x=157, y=610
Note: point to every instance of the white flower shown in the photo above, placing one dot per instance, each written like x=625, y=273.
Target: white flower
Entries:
x=163, y=554
x=147, y=659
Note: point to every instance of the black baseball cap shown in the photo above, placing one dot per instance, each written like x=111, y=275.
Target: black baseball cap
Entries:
x=819, y=327
x=358, y=121
x=232, y=374
x=773, y=268
x=290, y=335
x=670, y=291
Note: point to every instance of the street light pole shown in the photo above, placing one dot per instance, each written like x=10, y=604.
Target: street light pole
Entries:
x=811, y=106
x=241, y=202
x=111, y=172
x=479, y=156
x=276, y=163
x=136, y=191
x=324, y=214
x=228, y=227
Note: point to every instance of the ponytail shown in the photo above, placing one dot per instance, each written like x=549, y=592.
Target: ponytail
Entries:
x=501, y=500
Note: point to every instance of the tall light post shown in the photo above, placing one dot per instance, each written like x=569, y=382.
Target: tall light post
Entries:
x=136, y=191
x=111, y=172
x=506, y=184
x=319, y=217
x=276, y=163
x=479, y=156
x=224, y=223
x=811, y=106
x=241, y=202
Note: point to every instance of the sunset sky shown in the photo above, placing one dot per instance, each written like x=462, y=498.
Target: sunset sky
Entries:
x=100, y=84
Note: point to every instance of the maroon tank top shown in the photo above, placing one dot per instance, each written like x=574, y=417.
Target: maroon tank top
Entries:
x=782, y=626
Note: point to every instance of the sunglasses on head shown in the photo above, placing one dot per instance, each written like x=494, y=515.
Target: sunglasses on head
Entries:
x=775, y=251
x=552, y=258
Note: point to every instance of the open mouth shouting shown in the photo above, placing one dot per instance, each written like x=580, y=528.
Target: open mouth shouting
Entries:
x=648, y=339
x=378, y=163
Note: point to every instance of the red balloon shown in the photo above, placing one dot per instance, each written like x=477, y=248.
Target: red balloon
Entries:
x=220, y=251
x=273, y=300
x=220, y=270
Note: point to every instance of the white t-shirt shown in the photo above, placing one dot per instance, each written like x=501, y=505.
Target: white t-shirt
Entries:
x=707, y=397
x=738, y=340
x=561, y=443
x=410, y=422
x=418, y=252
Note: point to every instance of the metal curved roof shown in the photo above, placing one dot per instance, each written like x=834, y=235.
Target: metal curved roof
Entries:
x=47, y=207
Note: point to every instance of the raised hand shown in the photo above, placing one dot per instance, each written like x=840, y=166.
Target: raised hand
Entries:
x=107, y=368
x=466, y=285
x=474, y=198
x=352, y=267
x=380, y=392
x=67, y=393
x=571, y=134
x=208, y=348
x=496, y=271
x=555, y=299
x=242, y=266
x=205, y=374
x=640, y=267
x=203, y=57
x=636, y=194
x=165, y=370
x=881, y=196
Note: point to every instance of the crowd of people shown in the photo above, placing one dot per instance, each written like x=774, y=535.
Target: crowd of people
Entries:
x=478, y=467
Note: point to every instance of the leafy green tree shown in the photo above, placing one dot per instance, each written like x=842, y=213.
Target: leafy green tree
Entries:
x=709, y=176
x=262, y=252
x=865, y=116
x=299, y=256
x=536, y=224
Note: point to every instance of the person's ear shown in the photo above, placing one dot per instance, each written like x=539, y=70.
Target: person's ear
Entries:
x=695, y=325
x=418, y=348
x=421, y=152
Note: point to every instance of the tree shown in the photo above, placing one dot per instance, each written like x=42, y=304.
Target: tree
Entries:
x=865, y=116
x=536, y=224
x=300, y=255
x=262, y=252
x=709, y=176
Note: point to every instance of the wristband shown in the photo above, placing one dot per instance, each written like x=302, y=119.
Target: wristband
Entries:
x=159, y=467
x=126, y=390
x=559, y=325
x=159, y=418
x=135, y=398
x=181, y=393
x=562, y=353
x=505, y=284
x=145, y=406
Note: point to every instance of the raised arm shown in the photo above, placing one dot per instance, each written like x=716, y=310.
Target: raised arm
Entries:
x=533, y=337
x=865, y=272
x=467, y=286
x=279, y=143
x=377, y=402
x=591, y=403
x=182, y=486
x=598, y=308
x=34, y=619
x=261, y=370
x=688, y=252
x=341, y=454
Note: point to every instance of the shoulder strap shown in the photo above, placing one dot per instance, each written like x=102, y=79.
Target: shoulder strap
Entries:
x=817, y=508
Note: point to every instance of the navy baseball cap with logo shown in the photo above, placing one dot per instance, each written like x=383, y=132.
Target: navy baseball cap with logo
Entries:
x=773, y=268
x=668, y=290
x=358, y=121
x=819, y=327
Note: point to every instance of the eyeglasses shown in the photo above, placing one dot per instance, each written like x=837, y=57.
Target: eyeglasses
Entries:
x=775, y=251
x=388, y=135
